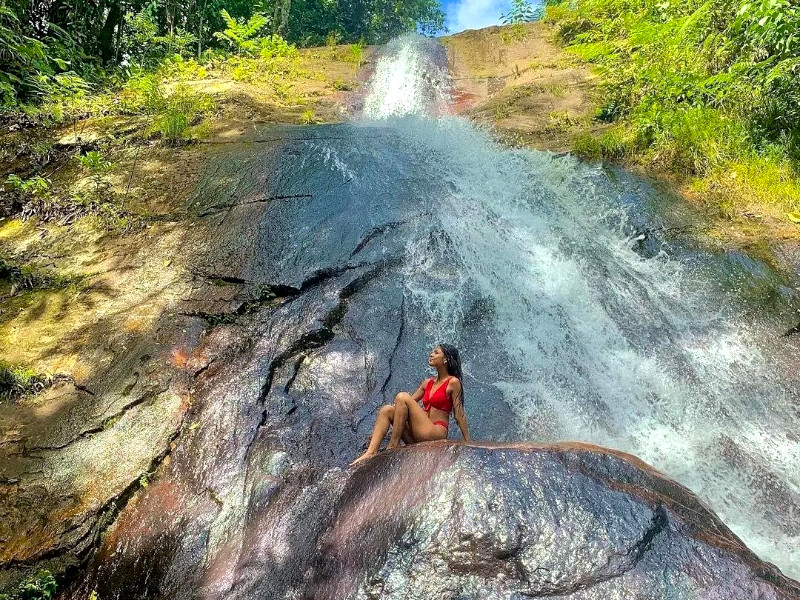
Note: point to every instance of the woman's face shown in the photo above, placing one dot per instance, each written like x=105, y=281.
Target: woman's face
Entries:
x=436, y=358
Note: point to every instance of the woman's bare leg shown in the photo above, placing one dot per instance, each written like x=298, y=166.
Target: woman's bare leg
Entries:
x=419, y=423
x=401, y=401
x=385, y=416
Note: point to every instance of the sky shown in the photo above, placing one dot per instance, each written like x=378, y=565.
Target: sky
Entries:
x=473, y=14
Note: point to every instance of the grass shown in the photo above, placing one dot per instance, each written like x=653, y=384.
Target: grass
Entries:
x=685, y=93
x=17, y=381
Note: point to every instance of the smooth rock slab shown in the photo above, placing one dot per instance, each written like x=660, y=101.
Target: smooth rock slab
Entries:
x=454, y=522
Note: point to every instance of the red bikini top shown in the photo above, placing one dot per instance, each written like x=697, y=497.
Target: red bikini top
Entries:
x=439, y=399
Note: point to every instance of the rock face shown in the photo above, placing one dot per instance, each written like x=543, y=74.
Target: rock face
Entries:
x=451, y=521
x=333, y=258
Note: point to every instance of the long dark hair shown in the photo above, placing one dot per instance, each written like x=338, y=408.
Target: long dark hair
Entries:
x=453, y=364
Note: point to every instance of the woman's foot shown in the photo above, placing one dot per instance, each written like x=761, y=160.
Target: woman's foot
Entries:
x=392, y=446
x=364, y=456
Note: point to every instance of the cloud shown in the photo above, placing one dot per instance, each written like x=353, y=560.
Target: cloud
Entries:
x=474, y=14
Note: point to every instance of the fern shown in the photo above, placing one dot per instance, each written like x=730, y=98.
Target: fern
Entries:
x=240, y=35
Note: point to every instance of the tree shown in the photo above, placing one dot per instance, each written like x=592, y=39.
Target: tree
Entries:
x=521, y=11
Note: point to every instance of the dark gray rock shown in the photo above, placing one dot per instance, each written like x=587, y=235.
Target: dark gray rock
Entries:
x=449, y=521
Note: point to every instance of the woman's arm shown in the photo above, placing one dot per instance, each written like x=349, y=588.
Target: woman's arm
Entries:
x=454, y=389
x=420, y=392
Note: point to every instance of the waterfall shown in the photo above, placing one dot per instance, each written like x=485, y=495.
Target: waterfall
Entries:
x=410, y=226
x=532, y=265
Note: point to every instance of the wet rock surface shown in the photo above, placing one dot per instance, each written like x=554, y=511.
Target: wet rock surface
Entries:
x=446, y=521
x=327, y=269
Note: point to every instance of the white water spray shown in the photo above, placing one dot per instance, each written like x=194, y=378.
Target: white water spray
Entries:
x=407, y=81
x=599, y=343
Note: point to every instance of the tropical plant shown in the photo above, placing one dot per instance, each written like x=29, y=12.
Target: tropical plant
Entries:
x=521, y=11
x=241, y=35
x=36, y=587
x=97, y=165
x=35, y=187
x=183, y=109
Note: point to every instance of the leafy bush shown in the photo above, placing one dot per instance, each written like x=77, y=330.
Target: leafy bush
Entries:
x=184, y=108
x=274, y=46
x=521, y=11
x=308, y=117
x=145, y=47
x=41, y=586
x=35, y=187
x=142, y=93
x=240, y=35
x=702, y=84
x=177, y=67
x=355, y=53
x=97, y=166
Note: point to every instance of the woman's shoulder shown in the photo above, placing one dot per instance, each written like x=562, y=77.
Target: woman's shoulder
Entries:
x=453, y=381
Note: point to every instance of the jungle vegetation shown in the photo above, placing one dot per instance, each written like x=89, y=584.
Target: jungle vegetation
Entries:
x=60, y=48
x=709, y=88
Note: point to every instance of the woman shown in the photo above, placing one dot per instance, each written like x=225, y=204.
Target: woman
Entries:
x=440, y=396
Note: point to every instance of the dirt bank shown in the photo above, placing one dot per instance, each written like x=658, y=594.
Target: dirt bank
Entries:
x=523, y=85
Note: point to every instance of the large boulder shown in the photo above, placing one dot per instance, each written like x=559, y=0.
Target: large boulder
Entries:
x=461, y=521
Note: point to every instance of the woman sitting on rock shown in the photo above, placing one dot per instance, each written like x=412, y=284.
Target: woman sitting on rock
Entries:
x=440, y=396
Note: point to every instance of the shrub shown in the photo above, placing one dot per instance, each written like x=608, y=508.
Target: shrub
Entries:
x=184, y=108
x=36, y=587
x=701, y=84
x=97, y=166
x=35, y=187
x=520, y=12
x=240, y=35
x=355, y=53
x=142, y=93
x=274, y=46
x=308, y=117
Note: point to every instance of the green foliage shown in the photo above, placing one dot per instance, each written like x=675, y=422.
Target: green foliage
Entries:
x=308, y=117
x=17, y=381
x=771, y=27
x=355, y=53
x=94, y=162
x=21, y=191
x=699, y=84
x=35, y=187
x=333, y=38
x=521, y=11
x=52, y=58
x=240, y=35
x=24, y=64
x=36, y=587
x=183, y=109
x=97, y=166
x=146, y=46
x=142, y=94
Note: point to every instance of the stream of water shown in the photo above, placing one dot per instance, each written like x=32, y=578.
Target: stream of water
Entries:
x=533, y=265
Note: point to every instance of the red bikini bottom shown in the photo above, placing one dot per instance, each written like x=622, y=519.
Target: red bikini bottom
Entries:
x=444, y=424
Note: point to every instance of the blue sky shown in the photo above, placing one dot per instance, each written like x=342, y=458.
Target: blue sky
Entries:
x=473, y=14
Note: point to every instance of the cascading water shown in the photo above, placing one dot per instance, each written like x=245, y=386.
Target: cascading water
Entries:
x=528, y=263
x=408, y=227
